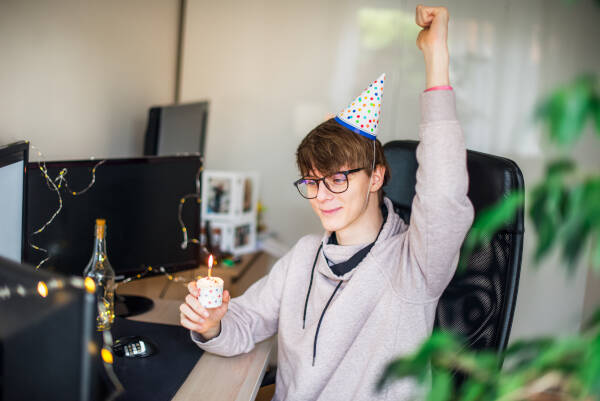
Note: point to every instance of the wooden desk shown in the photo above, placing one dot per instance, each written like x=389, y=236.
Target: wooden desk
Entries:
x=233, y=378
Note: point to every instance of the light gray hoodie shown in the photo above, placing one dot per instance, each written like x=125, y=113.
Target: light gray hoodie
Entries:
x=383, y=308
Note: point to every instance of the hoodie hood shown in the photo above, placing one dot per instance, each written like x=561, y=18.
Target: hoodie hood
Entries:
x=392, y=226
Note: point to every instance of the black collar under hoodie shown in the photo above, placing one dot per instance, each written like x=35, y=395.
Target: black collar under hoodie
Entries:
x=339, y=266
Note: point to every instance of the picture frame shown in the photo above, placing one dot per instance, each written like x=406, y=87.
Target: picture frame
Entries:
x=218, y=195
x=230, y=203
x=237, y=236
x=229, y=195
x=243, y=237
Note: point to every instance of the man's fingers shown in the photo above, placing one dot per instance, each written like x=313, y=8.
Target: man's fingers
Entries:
x=424, y=16
x=188, y=324
x=196, y=306
x=222, y=309
x=190, y=314
x=192, y=288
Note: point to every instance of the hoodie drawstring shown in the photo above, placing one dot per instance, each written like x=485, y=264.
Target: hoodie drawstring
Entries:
x=312, y=274
x=321, y=319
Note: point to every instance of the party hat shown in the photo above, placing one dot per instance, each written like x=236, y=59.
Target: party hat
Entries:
x=362, y=115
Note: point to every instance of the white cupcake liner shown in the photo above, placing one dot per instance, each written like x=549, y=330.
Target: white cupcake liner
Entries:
x=211, y=292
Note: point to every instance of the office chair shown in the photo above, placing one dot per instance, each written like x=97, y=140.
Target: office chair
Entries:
x=479, y=302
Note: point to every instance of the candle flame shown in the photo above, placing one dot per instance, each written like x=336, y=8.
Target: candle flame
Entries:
x=211, y=260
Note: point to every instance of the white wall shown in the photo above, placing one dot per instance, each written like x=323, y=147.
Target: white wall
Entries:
x=273, y=69
x=77, y=77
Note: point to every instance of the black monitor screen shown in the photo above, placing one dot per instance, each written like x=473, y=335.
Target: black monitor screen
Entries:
x=139, y=198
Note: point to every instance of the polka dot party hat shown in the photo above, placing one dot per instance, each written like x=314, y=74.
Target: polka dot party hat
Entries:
x=362, y=115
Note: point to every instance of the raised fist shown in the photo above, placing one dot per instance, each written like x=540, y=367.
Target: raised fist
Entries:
x=434, y=21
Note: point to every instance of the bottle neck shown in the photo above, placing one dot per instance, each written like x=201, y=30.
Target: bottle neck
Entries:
x=99, y=263
x=100, y=246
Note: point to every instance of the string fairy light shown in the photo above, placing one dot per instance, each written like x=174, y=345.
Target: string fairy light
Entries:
x=160, y=270
x=107, y=360
x=41, y=289
x=55, y=185
x=198, y=197
x=61, y=181
x=184, y=243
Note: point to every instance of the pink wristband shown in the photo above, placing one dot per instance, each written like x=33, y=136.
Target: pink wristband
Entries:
x=439, y=88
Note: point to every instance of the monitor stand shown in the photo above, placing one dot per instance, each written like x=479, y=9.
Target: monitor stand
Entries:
x=131, y=305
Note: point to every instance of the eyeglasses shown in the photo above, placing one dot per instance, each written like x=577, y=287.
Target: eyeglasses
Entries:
x=336, y=183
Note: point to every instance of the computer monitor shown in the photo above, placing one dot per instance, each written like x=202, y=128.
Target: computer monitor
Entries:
x=139, y=198
x=176, y=129
x=13, y=172
x=49, y=349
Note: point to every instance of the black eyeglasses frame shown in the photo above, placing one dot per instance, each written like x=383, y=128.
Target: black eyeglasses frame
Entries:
x=346, y=173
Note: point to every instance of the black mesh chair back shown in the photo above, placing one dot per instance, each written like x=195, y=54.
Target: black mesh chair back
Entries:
x=480, y=300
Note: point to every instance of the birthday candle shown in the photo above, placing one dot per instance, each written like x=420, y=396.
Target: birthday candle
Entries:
x=211, y=288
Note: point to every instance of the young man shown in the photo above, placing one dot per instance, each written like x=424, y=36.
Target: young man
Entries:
x=346, y=303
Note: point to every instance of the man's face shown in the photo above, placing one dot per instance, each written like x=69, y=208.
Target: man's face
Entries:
x=340, y=211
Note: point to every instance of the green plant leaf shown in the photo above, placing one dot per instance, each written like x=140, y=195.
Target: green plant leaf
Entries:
x=546, y=210
x=564, y=355
x=441, y=386
x=582, y=219
x=520, y=353
x=482, y=365
x=566, y=110
x=593, y=322
x=488, y=222
x=575, y=227
x=596, y=255
x=596, y=111
x=590, y=368
x=473, y=391
x=400, y=368
x=549, y=209
x=592, y=200
x=534, y=345
x=417, y=364
x=510, y=383
x=560, y=167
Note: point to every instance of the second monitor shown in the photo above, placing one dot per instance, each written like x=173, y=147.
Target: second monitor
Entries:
x=176, y=129
x=139, y=198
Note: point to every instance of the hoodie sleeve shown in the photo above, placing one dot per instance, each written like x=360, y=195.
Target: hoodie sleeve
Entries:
x=251, y=317
x=441, y=211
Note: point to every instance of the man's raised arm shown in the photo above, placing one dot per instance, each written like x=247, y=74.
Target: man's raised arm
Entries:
x=441, y=212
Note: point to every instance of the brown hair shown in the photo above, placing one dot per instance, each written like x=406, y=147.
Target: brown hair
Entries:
x=330, y=146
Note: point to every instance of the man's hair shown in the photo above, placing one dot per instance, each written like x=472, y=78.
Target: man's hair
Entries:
x=330, y=146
